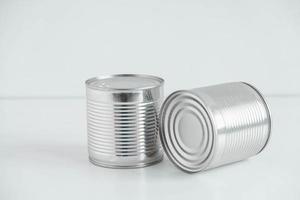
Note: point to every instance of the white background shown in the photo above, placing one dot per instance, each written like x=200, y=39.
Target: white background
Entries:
x=49, y=48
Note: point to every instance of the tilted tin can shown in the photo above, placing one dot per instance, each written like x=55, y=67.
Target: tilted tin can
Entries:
x=122, y=120
x=211, y=126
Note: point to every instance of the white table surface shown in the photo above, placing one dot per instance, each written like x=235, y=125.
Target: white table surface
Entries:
x=43, y=155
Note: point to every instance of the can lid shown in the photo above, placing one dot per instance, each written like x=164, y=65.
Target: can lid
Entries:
x=187, y=132
x=124, y=82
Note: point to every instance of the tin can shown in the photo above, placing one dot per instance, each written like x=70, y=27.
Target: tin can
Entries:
x=212, y=126
x=122, y=120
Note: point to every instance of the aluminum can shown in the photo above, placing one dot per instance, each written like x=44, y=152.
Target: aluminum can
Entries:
x=122, y=120
x=212, y=126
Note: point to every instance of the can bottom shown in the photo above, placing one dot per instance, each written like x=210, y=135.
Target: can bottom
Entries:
x=139, y=165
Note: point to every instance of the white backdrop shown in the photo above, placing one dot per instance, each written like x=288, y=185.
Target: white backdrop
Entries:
x=48, y=48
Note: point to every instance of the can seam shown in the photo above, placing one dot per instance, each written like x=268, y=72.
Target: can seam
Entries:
x=140, y=165
x=165, y=146
x=158, y=79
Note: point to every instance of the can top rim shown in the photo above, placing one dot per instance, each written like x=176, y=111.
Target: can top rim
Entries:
x=124, y=82
x=175, y=154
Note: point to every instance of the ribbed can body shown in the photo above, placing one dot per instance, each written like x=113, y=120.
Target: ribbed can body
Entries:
x=241, y=118
x=234, y=121
x=122, y=121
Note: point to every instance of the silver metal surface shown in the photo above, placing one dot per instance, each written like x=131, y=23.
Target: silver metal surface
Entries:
x=211, y=126
x=122, y=120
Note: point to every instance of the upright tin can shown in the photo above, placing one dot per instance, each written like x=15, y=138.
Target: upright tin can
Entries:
x=211, y=126
x=122, y=120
